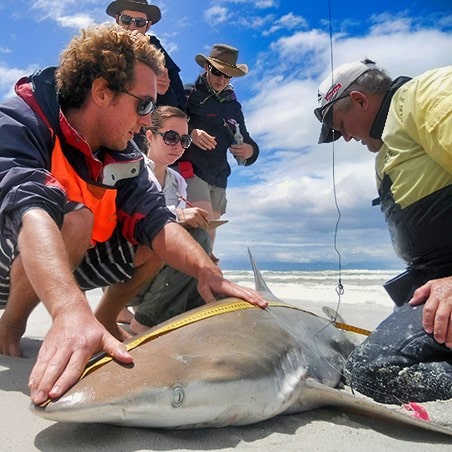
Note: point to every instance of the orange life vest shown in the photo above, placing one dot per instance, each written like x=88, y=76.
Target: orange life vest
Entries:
x=100, y=200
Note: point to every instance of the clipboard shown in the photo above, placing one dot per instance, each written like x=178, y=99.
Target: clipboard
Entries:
x=213, y=224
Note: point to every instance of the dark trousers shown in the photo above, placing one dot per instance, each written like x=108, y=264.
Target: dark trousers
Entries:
x=400, y=362
x=170, y=292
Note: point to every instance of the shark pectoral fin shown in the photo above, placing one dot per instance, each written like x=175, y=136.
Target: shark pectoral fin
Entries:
x=326, y=396
x=332, y=314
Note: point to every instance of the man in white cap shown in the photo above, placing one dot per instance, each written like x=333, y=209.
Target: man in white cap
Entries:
x=408, y=124
x=139, y=15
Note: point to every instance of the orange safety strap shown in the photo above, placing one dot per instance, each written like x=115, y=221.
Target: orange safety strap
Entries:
x=100, y=200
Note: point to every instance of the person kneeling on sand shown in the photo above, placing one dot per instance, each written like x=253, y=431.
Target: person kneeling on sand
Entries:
x=407, y=123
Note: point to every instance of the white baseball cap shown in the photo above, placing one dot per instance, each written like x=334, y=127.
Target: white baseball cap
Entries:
x=331, y=90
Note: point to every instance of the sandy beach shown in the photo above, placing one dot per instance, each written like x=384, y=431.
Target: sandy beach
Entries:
x=318, y=430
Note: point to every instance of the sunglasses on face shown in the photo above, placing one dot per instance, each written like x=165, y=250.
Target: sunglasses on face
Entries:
x=217, y=73
x=139, y=22
x=171, y=138
x=145, y=106
x=320, y=112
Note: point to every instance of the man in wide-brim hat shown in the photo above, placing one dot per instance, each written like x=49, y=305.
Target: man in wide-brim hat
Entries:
x=139, y=15
x=223, y=58
x=152, y=11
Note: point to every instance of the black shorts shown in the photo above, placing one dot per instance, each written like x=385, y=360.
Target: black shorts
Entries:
x=8, y=251
x=104, y=264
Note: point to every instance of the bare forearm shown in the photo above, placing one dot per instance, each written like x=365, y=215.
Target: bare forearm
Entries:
x=175, y=246
x=46, y=262
x=75, y=334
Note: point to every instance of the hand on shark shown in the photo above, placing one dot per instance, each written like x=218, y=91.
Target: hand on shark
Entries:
x=60, y=364
x=210, y=284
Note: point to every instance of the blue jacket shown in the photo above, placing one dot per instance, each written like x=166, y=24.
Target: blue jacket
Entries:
x=212, y=113
x=28, y=126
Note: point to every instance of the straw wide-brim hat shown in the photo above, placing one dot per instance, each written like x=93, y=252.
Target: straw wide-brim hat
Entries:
x=152, y=11
x=224, y=58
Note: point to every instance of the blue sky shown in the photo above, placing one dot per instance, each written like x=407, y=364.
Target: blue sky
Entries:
x=283, y=206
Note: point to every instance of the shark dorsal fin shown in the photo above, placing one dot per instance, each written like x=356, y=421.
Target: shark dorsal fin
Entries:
x=259, y=282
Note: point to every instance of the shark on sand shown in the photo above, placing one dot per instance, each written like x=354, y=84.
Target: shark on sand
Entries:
x=227, y=363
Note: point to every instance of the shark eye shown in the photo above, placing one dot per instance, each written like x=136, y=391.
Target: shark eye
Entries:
x=178, y=396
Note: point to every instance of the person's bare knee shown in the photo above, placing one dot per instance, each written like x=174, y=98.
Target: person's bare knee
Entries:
x=147, y=264
x=76, y=232
x=120, y=294
x=206, y=205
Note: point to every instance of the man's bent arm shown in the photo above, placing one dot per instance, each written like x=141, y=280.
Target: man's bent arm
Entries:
x=75, y=334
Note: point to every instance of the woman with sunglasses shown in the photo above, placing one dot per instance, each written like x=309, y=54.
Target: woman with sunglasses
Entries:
x=216, y=125
x=170, y=292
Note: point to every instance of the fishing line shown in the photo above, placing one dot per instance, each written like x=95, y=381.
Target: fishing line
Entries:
x=339, y=287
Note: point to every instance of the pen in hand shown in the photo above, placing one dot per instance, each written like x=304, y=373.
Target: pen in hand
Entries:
x=181, y=198
x=189, y=204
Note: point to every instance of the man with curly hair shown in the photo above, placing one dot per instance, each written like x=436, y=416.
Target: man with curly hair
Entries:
x=77, y=209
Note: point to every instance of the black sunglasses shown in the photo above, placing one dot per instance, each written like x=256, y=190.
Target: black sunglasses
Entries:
x=218, y=73
x=171, y=138
x=319, y=112
x=139, y=22
x=145, y=106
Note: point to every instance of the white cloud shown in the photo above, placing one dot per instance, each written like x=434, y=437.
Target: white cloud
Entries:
x=259, y=4
x=216, y=15
x=76, y=21
x=74, y=14
x=287, y=22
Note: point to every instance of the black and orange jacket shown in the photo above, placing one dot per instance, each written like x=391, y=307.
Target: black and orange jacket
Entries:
x=44, y=163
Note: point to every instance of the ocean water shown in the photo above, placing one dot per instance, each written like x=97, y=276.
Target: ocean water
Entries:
x=364, y=301
x=359, y=286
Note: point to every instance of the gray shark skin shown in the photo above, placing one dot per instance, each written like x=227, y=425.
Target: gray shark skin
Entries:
x=235, y=368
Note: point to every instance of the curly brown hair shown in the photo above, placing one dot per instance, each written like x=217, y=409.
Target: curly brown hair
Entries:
x=107, y=51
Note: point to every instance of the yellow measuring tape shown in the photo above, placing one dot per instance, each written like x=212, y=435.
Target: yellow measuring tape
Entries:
x=353, y=329
x=218, y=309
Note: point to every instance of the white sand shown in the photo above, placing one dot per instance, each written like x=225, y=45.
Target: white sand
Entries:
x=319, y=430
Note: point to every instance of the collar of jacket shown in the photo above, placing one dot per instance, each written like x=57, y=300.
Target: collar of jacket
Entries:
x=378, y=125
x=227, y=95
x=39, y=92
x=170, y=64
